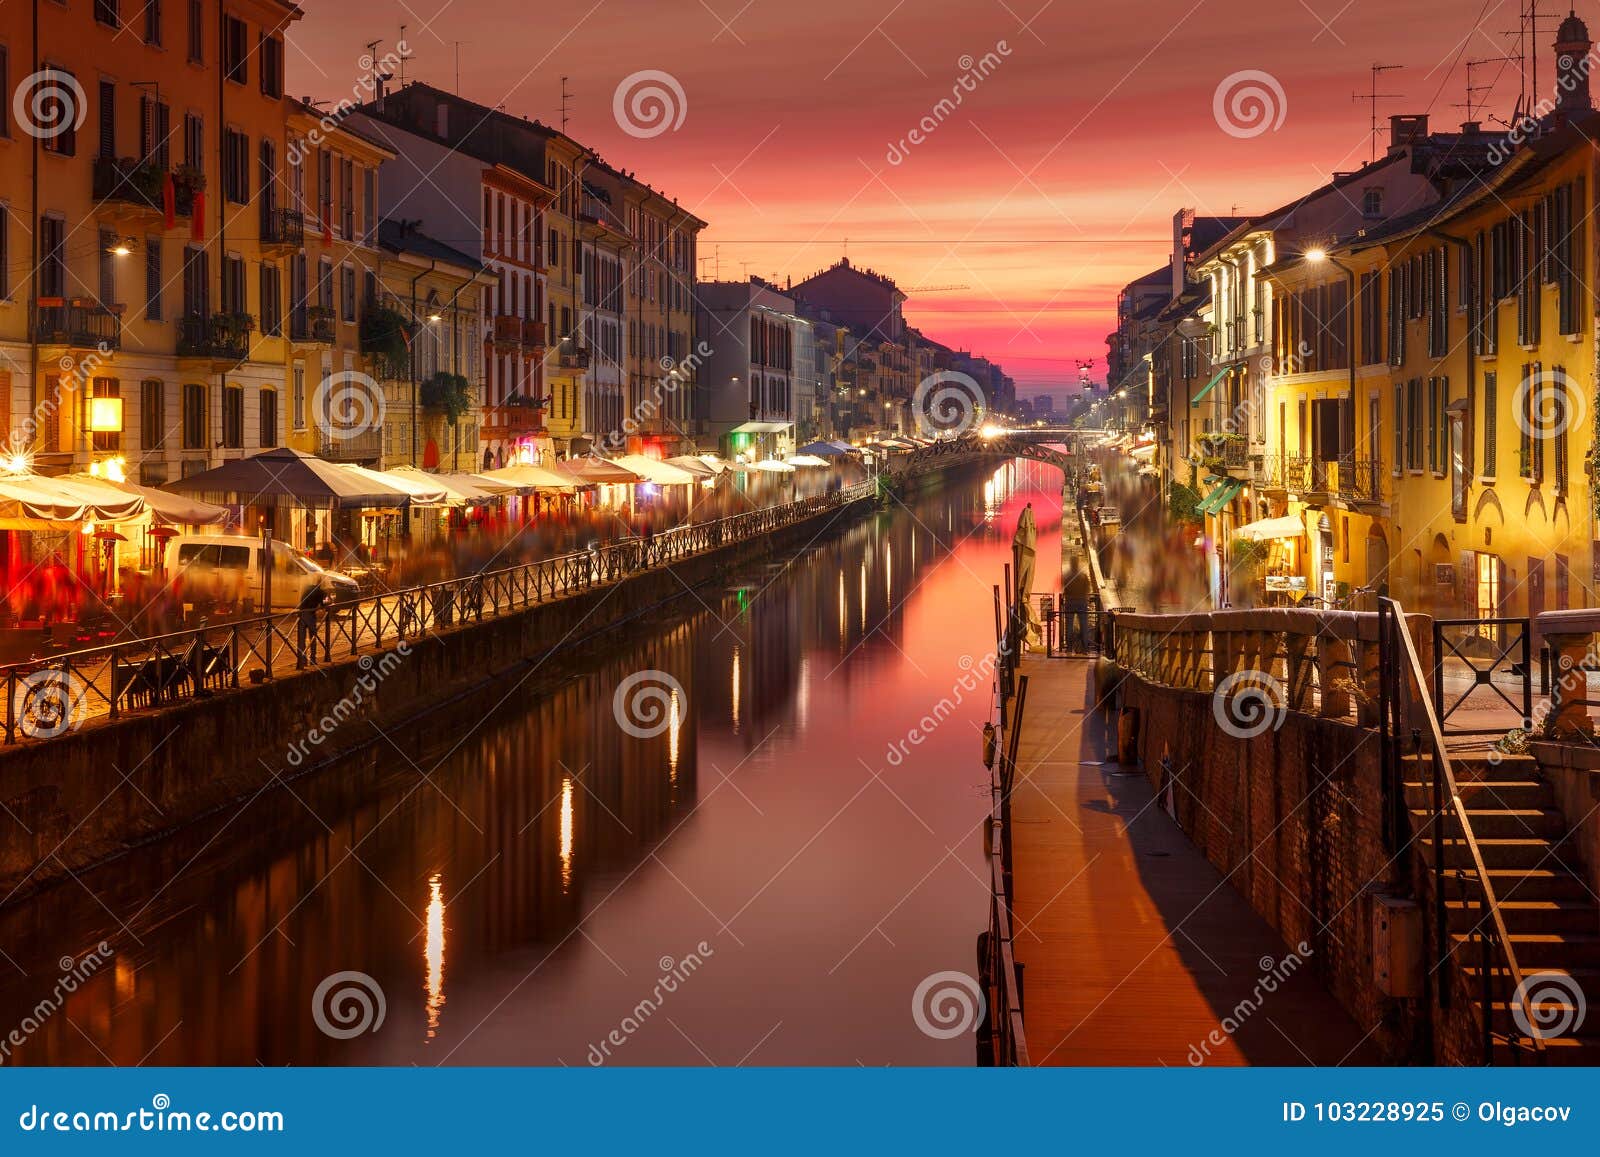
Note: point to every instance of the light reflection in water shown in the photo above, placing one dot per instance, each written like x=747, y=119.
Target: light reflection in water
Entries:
x=844, y=626
x=888, y=574
x=433, y=952
x=566, y=833
x=674, y=729
x=736, y=690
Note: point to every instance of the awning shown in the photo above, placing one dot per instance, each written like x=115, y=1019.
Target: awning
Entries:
x=826, y=450
x=761, y=427
x=1211, y=385
x=718, y=465
x=773, y=466
x=1220, y=497
x=1271, y=529
x=697, y=466
x=1144, y=453
x=165, y=508
x=489, y=486
x=525, y=477
x=420, y=493
x=806, y=460
x=654, y=470
x=596, y=471
x=286, y=477
x=37, y=502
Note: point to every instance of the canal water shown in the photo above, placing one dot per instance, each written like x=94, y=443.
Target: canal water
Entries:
x=757, y=858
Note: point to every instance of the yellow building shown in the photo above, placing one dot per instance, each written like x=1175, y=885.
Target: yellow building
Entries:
x=1434, y=438
x=141, y=276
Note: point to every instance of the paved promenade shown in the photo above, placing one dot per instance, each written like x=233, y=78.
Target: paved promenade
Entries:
x=1136, y=947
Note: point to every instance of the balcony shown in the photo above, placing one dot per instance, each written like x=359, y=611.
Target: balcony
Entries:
x=1228, y=452
x=507, y=333
x=313, y=326
x=364, y=448
x=77, y=325
x=221, y=341
x=129, y=192
x=1358, y=481
x=532, y=336
x=282, y=230
x=573, y=356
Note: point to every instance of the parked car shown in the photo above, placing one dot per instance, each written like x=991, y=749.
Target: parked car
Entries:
x=229, y=565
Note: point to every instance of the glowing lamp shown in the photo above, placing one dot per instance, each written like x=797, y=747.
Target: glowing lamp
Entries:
x=1316, y=256
x=105, y=415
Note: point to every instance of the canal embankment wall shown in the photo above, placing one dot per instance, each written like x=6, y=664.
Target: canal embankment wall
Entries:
x=1293, y=819
x=81, y=798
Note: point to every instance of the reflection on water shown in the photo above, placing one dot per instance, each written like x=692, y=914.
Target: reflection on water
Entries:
x=524, y=850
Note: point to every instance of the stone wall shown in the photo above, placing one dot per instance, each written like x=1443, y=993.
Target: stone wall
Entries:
x=76, y=800
x=1293, y=820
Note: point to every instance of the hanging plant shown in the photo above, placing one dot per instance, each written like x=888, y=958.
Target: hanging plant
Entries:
x=447, y=393
x=386, y=337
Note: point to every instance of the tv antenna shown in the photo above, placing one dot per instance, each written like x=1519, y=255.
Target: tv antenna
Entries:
x=457, y=45
x=566, y=104
x=1373, y=96
x=1475, y=101
x=372, y=71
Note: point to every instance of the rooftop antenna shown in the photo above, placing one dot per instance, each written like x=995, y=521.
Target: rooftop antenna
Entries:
x=372, y=72
x=1527, y=57
x=1475, y=102
x=566, y=104
x=1374, y=96
x=402, y=54
x=458, y=45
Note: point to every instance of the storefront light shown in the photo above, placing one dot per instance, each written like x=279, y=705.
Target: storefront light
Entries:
x=105, y=415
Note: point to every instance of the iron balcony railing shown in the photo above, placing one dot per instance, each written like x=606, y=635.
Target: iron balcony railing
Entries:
x=51, y=696
x=222, y=337
x=129, y=182
x=77, y=325
x=282, y=227
x=315, y=324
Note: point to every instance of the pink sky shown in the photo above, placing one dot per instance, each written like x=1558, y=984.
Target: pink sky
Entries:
x=1052, y=185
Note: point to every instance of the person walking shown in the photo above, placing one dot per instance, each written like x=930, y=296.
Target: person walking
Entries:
x=306, y=627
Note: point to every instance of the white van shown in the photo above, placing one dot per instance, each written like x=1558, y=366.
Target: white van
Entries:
x=232, y=564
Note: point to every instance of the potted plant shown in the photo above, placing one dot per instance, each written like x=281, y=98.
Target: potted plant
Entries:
x=386, y=337
x=448, y=394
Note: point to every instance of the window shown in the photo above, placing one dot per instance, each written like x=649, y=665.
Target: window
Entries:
x=1491, y=424
x=53, y=257
x=325, y=283
x=194, y=141
x=1371, y=292
x=63, y=141
x=1528, y=443
x=5, y=86
x=235, y=50
x=5, y=248
x=152, y=414
x=106, y=441
x=347, y=199
x=271, y=66
x=347, y=292
x=105, y=12
x=299, y=379
x=108, y=120
x=152, y=22
x=369, y=206
x=236, y=166
x=1557, y=385
x=194, y=416
x=197, y=31
x=234, y=298
x=1372, y=203
x=196, y=282
x=271, y=300
x=232, y=417
x=269, y=419
x=1414, y=419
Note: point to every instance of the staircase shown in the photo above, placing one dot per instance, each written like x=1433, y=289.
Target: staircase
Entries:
x=1551, y=917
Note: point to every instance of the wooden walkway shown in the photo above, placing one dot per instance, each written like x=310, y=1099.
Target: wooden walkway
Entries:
x=1136, y=947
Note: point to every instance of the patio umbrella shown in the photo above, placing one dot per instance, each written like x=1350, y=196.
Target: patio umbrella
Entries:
x=773, y=466
x=661, y=473
x=168, y=510
x=810, y=460
x=423, y=493
x=1025, y=545
x=596, y=471
x=695, y=465
x=526, y=477
x=289, y=478
x=36, y=502
x=457, y=488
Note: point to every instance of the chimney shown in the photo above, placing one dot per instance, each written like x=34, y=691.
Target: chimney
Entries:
x=1406, y=130
x=1572, y=66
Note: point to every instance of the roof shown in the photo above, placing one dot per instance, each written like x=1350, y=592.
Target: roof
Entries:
x=404, y=237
